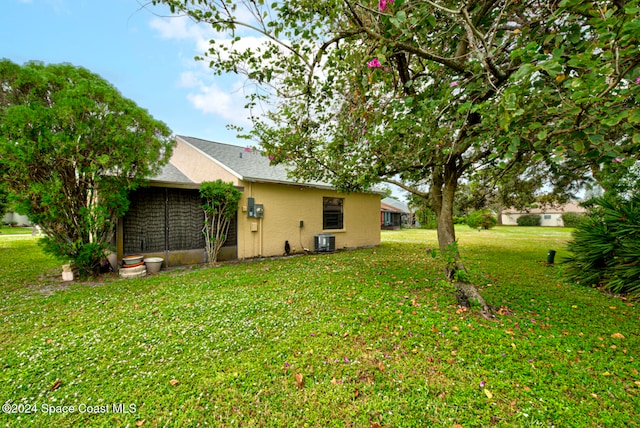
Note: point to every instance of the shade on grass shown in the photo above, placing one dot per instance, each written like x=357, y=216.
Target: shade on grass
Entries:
x=374, y=336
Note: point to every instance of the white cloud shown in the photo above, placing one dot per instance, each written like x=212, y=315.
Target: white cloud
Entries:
x=180, y=28
x=222, y=96
x=210, y=98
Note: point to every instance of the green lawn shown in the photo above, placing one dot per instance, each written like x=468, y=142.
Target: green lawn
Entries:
x=9, y=230
x=362, y=338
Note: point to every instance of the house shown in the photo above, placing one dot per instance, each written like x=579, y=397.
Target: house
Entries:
x=550, y=215
x=165, y=219
x=16, y=219
x=394, y=214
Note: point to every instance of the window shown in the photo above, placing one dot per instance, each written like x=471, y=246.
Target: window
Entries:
x=547, y=216
x=388, y=219
x=332, y=213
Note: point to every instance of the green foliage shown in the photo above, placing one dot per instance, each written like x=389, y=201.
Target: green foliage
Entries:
x=529, y=220
x=482, y=219
x=427, y=218
x=220, y=205
x=423, y=212
x=4, y=200
x=71, y=148
x=572, y=219
x=606, y=246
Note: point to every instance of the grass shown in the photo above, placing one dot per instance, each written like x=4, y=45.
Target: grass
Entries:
x=362, y=338
x=17, y=230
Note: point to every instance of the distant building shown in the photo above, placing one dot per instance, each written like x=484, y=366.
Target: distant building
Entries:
x=16, y=219
x=550, y=215
x=394, y=214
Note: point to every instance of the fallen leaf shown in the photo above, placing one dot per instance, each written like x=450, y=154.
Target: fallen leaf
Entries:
x=56, y=384
x=376, y=425
x=356, y=393
x=617, y=336
x=487, y=393
x=49, y=341
x=173, y=382
x=299, y=380
x=140, y=422
x=381, y=366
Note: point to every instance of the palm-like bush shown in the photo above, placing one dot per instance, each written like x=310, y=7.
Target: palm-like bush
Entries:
x=606, y=246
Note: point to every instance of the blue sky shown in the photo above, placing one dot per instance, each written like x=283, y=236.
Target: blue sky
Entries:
x=147, y=55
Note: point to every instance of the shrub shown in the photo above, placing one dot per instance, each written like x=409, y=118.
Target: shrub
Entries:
x=529, y=220
x=572, y=219
x=606, y=246
x=220, y=205
x=427, y=218
x=482, y=219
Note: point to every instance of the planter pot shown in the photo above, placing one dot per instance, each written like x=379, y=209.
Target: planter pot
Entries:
x=67, y=273
x=153, y=264
x=133, y=272
x=132, y=260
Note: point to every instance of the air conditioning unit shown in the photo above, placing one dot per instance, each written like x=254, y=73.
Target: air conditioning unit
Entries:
x=324, y=242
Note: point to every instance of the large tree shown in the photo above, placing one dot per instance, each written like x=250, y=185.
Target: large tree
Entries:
x=71, y=148
x=425, y=92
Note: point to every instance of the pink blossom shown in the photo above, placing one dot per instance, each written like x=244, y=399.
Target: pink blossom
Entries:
x=452, y=84
x=382, y=5
x=247, y=149
x=482, y=384
x=638, y=80
x=271, y=158
x=374, y=63
x=618, y=159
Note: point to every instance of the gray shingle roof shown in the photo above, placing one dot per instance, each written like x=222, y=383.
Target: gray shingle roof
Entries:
x=248, y=164
x=171, y=174
x=400, y=206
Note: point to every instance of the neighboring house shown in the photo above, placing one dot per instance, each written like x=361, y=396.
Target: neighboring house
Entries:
x=394, y=214
x=550, y=215
x=17, y=219
x=166, y=220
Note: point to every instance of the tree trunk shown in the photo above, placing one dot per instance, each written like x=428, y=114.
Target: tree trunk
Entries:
x=444, y=182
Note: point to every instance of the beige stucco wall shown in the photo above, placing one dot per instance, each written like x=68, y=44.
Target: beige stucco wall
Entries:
x=554, y=219
x=286, y=205
x=197, y=166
